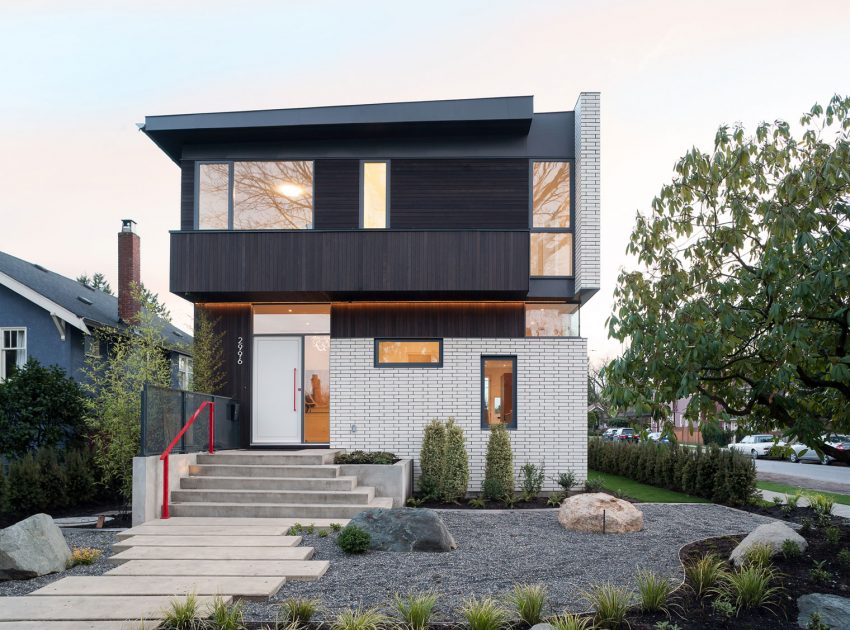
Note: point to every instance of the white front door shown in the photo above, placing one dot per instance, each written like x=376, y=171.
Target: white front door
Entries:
x=277, y=399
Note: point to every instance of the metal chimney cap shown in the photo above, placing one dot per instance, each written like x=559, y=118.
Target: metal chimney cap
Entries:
x=128, y=225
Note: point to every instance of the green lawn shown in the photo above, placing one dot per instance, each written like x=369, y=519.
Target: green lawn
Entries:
x=843, y=499
x=640, y=491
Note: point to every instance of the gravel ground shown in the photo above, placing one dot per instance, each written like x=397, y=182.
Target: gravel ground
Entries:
x=99, y=539
x=499, y=549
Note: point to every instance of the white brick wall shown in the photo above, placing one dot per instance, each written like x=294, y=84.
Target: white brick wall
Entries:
x=587, y=219
x=391, y=406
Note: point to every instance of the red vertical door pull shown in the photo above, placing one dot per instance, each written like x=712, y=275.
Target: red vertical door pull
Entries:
x=294, y=387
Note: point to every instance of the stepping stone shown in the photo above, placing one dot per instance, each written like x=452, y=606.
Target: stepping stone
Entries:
x=290, y=569
x=89, y=608
x=199, y=530
x=213, y=553
x=78, y=625
x=237, y=521
x=255, y=588
x=207, y=541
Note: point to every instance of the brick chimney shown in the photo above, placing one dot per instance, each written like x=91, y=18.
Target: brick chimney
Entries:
x=129, y=271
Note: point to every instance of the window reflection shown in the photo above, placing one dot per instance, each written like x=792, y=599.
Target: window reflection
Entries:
x=498, y=391
x=551, y=254
x=551, y=320
x=317, y=394
x=391, y=352
x=375, y=195
x=272, y=195
x=551, y=195
x=213, y=196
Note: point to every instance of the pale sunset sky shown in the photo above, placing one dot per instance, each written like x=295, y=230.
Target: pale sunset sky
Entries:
x=78, y=76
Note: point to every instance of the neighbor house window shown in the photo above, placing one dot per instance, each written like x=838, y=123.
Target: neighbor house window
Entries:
x=498, y=392
x=408, y=353
x=551, y=320
x=374, y=195
x=255, y=195
x=13, y=350
x=184, y=371
x=551, y=239
x=92, y=346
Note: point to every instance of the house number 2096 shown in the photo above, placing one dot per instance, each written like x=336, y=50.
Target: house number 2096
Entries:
x=239, y=347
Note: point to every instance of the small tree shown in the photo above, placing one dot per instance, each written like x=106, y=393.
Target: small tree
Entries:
x=97, y=281
x=455, y=474
x=499, y=465
x=115, y=385
x=207, y=355
x=431, y=458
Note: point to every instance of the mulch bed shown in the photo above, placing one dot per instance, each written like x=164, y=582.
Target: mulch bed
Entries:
x=538, y=503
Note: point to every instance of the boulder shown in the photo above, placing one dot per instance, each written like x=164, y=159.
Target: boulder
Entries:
x=543, y=626
x=833, y=610
x=583, y=513
x=405, y=529
x=770, y=534
x=32, y=547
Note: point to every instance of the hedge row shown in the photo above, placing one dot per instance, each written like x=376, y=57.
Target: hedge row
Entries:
x=721, y=476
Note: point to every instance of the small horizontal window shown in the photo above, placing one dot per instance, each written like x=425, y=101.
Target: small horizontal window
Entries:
x=408, y=353
x=551, y=320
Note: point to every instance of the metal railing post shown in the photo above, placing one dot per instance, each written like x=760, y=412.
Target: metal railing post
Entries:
x=212, y=426
x=165, y=486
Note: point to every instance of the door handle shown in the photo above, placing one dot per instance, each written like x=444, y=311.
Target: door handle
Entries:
x=294, y=388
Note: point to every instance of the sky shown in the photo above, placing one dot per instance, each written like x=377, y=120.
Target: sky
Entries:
x=76, y=80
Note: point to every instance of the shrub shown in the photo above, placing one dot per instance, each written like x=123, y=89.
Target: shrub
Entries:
x=337, y=527
x=532, y=478
x=39, y=406
x=499, y=465
x=431, y=458
x=705, y=573
x=415, y=609
x=84, y=556
x=182, y=614
x=79, y=476
x=299, y=610
x=363, y=457
x=758, y=555
x=53, y=479
x=820, y=503
x=528, y=601
x=594, y=485
x=843, y=559
x=713, y=435
x=569, y=621
x=610, y=604
x=484, y=614
x=819, y=572
x=750, y=587
x=815, y=623
x=26, y=496
x=454, y=479
x=567, y=480
x=353, y=539
x=790, y=549
x=226, y=616
x=477, y=503
x=369, y=619
x=833, y=535
x=653, y=592
x=4, y=490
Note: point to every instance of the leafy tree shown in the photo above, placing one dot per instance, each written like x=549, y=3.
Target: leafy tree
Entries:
x=742, y=298
x=115, y=386
x=39, y=406
x=207, y=356
x=151, y=302
x=97, y=281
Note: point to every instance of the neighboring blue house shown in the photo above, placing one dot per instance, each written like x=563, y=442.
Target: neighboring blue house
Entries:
x=52, y=319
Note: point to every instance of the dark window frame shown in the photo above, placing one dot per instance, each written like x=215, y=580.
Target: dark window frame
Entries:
x=362, y=210
x=376, y=363
x=545, y=230
x=485, y=426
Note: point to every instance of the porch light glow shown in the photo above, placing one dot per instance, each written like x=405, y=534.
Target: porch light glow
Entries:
x=288, y=189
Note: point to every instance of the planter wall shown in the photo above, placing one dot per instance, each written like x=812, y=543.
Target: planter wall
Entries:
x=394, y=481
x=147, y=483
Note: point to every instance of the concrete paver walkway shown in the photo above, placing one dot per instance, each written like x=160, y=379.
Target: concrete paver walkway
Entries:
x=837, y=509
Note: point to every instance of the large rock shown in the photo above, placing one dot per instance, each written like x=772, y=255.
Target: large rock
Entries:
x=405, y=529
x=32, y=547
x=770, y=534
x=833, y=610
x=583, y=513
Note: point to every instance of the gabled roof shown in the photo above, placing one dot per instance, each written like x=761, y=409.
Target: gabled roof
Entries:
x=71, y=302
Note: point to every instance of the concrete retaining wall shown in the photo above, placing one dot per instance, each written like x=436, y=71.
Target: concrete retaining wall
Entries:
x=147, y=483
x=394, y=481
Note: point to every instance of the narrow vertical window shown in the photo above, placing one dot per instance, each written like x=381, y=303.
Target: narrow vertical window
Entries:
x=13, y=351
x=551, y=240
x=213, y=196
x=498, y=392
x=375, y=189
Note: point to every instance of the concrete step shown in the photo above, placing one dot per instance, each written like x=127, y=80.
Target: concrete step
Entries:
x=253, y=588
x=278, y=510
x=269, y=458
x=233, y=470
x=268, y=483
x=306, y=570
x=79, y=625
x=168, y=540
x=362, y=495
x=90, y=607
x=149, y=552
x=199, y=530
x=241, y=525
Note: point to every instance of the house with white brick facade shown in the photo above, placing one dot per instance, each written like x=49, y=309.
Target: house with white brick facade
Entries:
x=372, y=267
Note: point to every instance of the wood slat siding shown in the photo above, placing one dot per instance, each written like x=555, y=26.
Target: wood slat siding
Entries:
x=459, y=194
x=187, y=195
x=433, y=319
x=233, y=321
x=336, y=185
x=332, y=263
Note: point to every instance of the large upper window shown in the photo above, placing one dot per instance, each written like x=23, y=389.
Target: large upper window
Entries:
x=551, y=239
x=13, y=350
x=255, y=195
x=374, y=203
x=551, y=320
x=408, y=353
x=498, y=391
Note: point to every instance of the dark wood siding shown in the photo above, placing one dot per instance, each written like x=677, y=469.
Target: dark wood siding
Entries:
x=213, y=266
x=233, y=322
x=432, y=319
x=459, y=194
x=187, y=195
x=336, y=185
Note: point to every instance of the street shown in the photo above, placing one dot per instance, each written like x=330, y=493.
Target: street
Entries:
x=834, y=478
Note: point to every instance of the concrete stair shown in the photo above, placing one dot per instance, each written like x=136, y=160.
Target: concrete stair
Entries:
x=272, y=484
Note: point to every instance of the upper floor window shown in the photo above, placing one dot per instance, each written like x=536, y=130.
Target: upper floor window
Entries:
x=374, y=195
x=184, y=371
x=91, y=345
x=551, y=320
x=13, y=350
x=551, y=239
x=255, y=195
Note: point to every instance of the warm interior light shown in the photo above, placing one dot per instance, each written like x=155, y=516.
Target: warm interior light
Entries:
x=288, y=189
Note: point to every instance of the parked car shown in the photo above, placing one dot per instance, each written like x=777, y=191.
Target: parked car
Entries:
x=658, y=436
x=802, y=453
x=607, y=436
x=756, y=445
x=625, y=435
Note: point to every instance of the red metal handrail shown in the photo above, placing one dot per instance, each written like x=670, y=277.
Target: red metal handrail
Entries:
x=164, y=456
